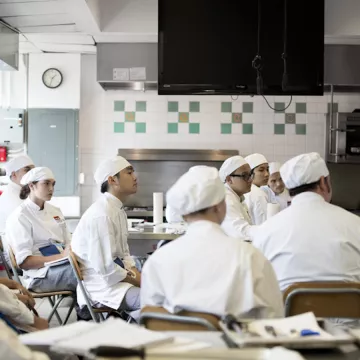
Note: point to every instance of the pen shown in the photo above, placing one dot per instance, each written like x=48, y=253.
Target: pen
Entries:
x=270, y=330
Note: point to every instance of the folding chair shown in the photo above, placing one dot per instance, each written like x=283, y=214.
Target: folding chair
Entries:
x=3, y=260
x=324, y=299
x=97, y=314
x=54, y=297
x=159, y=319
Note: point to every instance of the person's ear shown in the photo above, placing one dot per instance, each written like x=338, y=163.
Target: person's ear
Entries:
x=31, y=186
x=324, y=186
x=228, y=179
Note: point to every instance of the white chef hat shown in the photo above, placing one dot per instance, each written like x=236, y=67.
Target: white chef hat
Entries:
x=255, y=160
x=274, y=167
x=230, y=165
x=37, y=174
x=303, y=169
x=198, y=189
x=110, y=167
x=17, y=163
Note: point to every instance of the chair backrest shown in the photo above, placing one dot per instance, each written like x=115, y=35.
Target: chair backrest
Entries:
x=75, y=265
x=324, y=299
x=159, y=319
x=13, y=263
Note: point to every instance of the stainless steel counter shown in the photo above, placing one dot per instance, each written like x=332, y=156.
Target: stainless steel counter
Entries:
x=150, y=234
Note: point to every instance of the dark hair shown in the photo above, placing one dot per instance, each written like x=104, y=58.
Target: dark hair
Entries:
x=303, y=188
x=25, y=191
x=105, y=185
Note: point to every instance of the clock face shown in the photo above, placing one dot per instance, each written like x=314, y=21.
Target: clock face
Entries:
x=52, y=78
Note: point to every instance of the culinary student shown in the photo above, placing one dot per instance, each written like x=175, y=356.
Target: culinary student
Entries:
x=275, y=189
x=236, y=174
x=205, y=270
x=100, y=241
x=9, y=200
x=311, y=240
x=256, y=200
x=37, y=233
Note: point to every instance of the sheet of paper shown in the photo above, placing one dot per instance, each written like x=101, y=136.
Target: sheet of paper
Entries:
x=113, y=332
x=179, y=344
x=51, y=336
x=62, y=261
x=284, y=326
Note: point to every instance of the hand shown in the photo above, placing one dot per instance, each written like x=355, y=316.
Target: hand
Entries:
x=40, y=323
x=65, y=253
x=27, y=300
x=26, y=293
x=137, y=279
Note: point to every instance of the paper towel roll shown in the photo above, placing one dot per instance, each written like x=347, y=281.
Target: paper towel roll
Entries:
x=158, y=207
x=272, y=209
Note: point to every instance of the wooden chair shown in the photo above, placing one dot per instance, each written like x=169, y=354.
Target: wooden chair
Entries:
x=54, y=297
x=324, y=299
x=97, y=314
x=159, y=319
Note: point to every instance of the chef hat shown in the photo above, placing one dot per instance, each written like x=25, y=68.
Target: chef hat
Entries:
x=255, y=160
x=37, y=174
x=303, y=169
x=230, y=165
x=110, y=167
x=17, y=163
x=274, y=167
x=198, y=189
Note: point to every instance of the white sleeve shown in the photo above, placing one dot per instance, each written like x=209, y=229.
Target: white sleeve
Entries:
x=260, y=210
x=19, y=237
x=266, y=287
x=13, y=308
x=151, y=291
x=12, y=349
x=235, y=225
x=101, y=249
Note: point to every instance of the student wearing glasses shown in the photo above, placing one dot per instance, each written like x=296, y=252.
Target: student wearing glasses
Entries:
x=235, y=172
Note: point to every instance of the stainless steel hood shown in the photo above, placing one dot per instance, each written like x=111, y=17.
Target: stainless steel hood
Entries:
x=131, y=66
x=9, y=48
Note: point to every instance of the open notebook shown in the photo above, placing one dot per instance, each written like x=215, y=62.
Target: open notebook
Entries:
x=58, y=262
x=81, y=338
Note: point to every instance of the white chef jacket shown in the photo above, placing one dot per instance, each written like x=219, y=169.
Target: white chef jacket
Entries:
x=237, y=222
x=207, y=271
x=99, y=238
x=256, y=201
x=29, y=228
x=13, y=308
x=282, y=199
x=11, y=347
x=311, y=240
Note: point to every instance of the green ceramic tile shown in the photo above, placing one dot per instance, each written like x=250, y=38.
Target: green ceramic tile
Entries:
x=119, y=105
x=173, y=106
x=183, y=117
x=226, y=128
x=141, y=106
x=194, y=128
x=140, y=128
x=194, y=106
x=226, y=107
x=335, y=107
x=172, y=128
x=236, y=118
x=248, y=107
x=300, y=108
x=290, y=118
x=119, y=127
x=300, y=129
x=279, y=107
x=247, y=129
x=279, y=129
x=130, y=116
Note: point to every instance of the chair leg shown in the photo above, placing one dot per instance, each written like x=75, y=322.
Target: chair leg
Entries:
x=54, y=309
x=70, y=311
x=3, y=260
x=102, y=317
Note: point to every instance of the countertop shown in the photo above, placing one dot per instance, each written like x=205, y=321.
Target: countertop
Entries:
x=150, y=233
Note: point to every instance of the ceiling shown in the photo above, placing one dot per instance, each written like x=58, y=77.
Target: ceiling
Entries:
x=75, y=26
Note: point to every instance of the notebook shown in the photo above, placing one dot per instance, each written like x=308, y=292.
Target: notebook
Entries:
x=113, y=332
x=49, y=250
x=58, y=262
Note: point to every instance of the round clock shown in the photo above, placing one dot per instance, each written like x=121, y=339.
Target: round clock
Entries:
x=52, y=78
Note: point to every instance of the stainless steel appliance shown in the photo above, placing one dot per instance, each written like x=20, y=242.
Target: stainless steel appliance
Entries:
x=157, y=171
x=343, y=138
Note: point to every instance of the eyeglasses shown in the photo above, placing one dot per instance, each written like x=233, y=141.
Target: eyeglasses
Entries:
x=245, y=176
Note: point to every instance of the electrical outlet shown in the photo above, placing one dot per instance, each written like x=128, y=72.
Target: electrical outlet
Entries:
x=290, y=119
